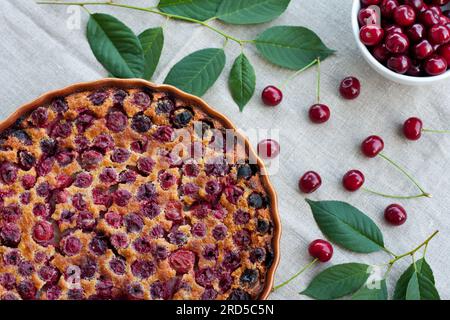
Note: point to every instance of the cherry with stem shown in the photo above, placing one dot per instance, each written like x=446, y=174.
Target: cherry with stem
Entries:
x=318, y=112
x=372, y=147
x=272, y=95
x=320, y=250
x=413, y=129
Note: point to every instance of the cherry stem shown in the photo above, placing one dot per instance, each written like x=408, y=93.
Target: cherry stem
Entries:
x=296, y=73
x=427, y=195
x=436, y=131
x=410, y=177
x=309, y=265
x=412, y=252
x=318, y=80
x=151, y=10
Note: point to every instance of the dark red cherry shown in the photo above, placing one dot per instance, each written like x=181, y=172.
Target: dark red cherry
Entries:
x=319, y=113
x=397, y=42
x=417, y=5
x=309, y=182
x=429, y=18
x=395, y=214
x=415, y=69
x=399, y=64
x=353, y=180
x=439, y=34
x=372, y=146
x=393, y=29
x=404, y=16
x=423, y=50
x=321, y=250
x=381, y=53
x=268, y=149
x=371, y=35
x=272, y=96
x=387, y=8
x=435, y=65
x=444, y=52
x=367, y=16
x=412, y=128
x=350, y=88
x=435, y=8
x=416, y=32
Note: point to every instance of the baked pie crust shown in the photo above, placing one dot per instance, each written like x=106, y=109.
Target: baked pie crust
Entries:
x=125, y=190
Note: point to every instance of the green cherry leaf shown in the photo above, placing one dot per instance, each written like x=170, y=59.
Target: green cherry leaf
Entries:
x=196, y=9
x=421, y=288
x=347, y=226
x=197, y=72
x=152, y=41
x=338, y=281
x=115, y=46
x=422, y=267
x=291, y=47
x=376, y=292
x=250, y=11
x=242, y=81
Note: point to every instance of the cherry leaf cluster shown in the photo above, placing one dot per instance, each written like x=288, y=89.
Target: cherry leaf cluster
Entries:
x=351, y=229
x=127, y=55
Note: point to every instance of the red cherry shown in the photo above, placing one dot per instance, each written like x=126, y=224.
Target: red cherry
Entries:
x=436, y=9
x=350, y=88
x=309, y=182
x=371, y=34
x=381, y=53
x=439, y=34
x=321, y=250
x=268, y=149
x=423, y=50
x=429, y=18
x=417, y=5
x=395, y=214
x=415, y=69
x=353, y=180
x=435, y=65
x=393, y=29
x=367, y=16
x=399, y=64
x=397, y=42
x=319, y=113
x=412, y=128
x=272, y=96
x=387, y=7
x=416, y=33
x=372, y=146
x=404, y=15
x=444, y=52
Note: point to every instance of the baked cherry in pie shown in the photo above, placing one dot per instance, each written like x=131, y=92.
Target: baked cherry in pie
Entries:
x=101, y=197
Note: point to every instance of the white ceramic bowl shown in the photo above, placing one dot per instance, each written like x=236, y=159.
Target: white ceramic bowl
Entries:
x=381, y=69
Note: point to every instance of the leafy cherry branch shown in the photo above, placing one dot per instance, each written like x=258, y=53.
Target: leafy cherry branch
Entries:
x=126, y=55
x=351, y=229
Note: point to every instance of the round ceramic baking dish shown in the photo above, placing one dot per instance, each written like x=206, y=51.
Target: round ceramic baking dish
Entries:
x=132, y=83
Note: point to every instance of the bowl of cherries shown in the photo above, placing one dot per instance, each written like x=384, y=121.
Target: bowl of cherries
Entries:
x=406, y=41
